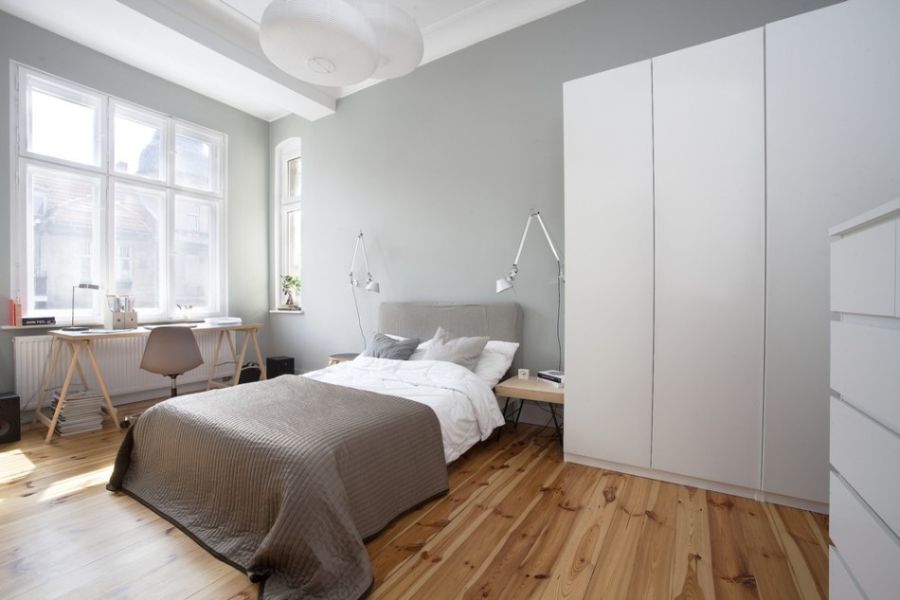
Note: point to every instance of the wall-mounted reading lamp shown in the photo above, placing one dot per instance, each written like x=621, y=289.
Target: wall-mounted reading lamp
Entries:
x=506, y=283
x=370, y=285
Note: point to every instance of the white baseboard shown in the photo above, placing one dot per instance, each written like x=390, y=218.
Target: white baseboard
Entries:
x=715, y=486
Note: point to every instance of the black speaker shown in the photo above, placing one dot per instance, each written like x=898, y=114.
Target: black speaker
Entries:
x=279, y=365
x=249, y=373
x=10, y=419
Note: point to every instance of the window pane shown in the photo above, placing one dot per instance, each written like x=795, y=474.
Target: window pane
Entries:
x=140, y=142
x=196, y=253
x=198, y=157
x=139, y=215
x=64, y=210
x=292, y=240
x=63, y=122
x=294, y=169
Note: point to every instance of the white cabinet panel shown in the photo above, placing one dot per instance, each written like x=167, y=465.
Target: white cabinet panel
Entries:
x=897, y=271
x=710, y=233
x=869, y=549
x=863, y=269
x=609, y=265
x=840, y=585
x=867, y=455
x=864, y=369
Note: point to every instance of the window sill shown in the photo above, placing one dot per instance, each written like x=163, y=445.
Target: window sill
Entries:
x=284, y=311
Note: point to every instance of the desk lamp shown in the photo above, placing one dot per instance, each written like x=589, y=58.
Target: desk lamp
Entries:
x=80, y=286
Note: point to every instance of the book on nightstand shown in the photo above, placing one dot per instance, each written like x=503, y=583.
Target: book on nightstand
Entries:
x=552, y=376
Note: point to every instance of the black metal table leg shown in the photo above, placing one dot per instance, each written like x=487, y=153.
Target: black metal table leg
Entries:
x=555, y=422
x=519, y=413
x=500, y=429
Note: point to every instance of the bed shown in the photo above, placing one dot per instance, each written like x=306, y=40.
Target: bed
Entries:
x=285, y=479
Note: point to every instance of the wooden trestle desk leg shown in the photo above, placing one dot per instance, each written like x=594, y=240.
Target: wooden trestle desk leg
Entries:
x=49, y=370
x=63, y=392
x=215, y=360
x=240, y=360
x=259, y=357
x=110, y=409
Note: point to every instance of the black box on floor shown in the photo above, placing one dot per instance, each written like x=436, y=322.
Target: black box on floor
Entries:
x=10, y=419
x=279, y=365
x=249, y=373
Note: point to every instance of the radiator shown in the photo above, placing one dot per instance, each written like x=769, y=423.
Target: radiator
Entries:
x=119, y=360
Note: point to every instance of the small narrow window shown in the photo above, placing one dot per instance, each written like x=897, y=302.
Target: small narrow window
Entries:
x=287, y=225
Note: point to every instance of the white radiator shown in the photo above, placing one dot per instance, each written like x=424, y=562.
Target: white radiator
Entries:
x=119, y=360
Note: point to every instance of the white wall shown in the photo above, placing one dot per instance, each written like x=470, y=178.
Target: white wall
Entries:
x=833, y=112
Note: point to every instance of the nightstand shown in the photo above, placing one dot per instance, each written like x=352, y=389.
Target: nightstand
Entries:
x=339, y=358
x=532, y=389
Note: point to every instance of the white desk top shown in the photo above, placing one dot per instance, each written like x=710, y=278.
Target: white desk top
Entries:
x=96, y=334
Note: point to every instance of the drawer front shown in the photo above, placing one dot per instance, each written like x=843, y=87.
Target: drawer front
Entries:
x=865, y=369
x=871, y=552
x=863, y=270
x=840, y=584
x=867, y=455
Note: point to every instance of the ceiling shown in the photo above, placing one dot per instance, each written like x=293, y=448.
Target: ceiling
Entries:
x=211, y=46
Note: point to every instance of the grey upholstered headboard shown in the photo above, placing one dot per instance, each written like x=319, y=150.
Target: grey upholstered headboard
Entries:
x=501, y=321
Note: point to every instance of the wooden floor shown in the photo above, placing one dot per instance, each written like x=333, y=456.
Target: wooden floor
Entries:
x=518, y=523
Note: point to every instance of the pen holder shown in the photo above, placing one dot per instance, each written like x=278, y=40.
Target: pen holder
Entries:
x=120, y=319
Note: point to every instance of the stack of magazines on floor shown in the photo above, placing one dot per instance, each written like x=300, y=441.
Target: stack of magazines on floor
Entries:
x=80, y=413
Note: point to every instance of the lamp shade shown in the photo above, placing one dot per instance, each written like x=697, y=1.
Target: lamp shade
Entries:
x=503, y=284
x=325, y=42
x=399, y=40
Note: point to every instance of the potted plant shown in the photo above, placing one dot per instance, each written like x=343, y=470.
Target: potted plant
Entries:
x=290, y=285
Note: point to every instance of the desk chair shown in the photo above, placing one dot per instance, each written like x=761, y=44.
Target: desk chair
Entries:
x=171, y=351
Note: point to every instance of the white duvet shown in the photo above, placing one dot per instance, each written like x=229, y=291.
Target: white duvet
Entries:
x=464, y=404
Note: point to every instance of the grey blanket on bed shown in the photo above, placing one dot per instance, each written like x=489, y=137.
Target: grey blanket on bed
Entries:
x=285, y=478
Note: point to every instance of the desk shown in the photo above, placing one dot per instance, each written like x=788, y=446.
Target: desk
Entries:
x=79, y=345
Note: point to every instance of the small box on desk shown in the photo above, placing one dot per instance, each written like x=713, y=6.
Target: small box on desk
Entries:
x=120, y=320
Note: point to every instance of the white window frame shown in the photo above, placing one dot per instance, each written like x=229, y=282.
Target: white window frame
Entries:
x=21, y=254
x=282, y=204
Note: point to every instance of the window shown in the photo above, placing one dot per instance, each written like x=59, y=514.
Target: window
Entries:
x=287, y=218
x=112, y=193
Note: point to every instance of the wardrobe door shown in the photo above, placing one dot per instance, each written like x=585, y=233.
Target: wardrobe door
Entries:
x=609, y=265
x=710, y=248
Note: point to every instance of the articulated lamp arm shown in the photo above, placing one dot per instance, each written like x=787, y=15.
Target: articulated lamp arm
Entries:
x=506, y=283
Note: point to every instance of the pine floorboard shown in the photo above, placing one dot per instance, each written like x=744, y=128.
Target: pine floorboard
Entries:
x=517, y=523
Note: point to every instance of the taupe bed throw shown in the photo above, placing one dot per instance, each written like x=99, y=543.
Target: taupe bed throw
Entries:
x=285, y=478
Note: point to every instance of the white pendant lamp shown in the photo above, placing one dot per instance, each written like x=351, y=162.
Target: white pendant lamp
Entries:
x=325, y=42
x=400, y=44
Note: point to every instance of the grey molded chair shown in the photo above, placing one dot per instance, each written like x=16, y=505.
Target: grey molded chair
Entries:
x=171, y=351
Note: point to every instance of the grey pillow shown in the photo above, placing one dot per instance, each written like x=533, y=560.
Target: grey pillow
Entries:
x=463, y=351
x=383, y=346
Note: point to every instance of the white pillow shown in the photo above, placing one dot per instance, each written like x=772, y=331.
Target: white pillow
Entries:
x=494, y=361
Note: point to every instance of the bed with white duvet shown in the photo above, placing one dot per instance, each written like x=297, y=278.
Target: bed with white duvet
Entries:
x=463, y=401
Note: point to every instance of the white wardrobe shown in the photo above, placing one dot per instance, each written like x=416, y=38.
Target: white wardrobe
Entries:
x=697, y=247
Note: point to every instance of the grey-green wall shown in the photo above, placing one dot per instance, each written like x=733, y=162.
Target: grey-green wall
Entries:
x=441, y=167
x=247, y=162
